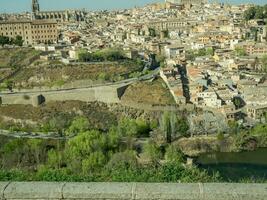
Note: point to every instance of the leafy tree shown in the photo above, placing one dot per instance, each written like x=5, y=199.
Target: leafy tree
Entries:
x=152, y=32
x=35, y=146
x=173, y=126
x=104, y=76
x=239, y=51
x=264, y=63
x=234, y=127
x=133, y=128
x=210, y=51
x=18, y=41
x=256, y=12
x=160, y=59
x=153, y=152
x=166, y=33
x=4, y=40
x=182, y=127
x=122, y=160
x=59, y=123
x=8, y=84
x=78, y=125
x=114, y=138
x=166, y=126
x=94, y=161
x=54, y=159
x=174, y=154
x=84, y=148
x=111, y=54
x=250, y=13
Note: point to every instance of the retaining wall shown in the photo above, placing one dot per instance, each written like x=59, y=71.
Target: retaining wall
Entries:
x=131, y=191
x=106, y=94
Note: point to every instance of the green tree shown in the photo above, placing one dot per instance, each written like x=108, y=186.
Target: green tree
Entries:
x=18, y=41
x=153, y=152
x=239, y=51
x=152, y=32
x=84, y=148
x=93, y=162
x=79, y=124
x=114, y=138
x=4, y=40
x=264, y=63
x=172, y=126
x=36, y=146
x=174, y=154
x=234, y=127
x=122, y=160
x=54, y=159
x=59, y=123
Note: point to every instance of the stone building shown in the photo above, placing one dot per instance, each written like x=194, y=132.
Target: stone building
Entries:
x=60, y=16
x=170, y=24
x=187, y=1
x=32, y=32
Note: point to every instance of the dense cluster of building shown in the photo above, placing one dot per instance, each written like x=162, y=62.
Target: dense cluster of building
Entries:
x=213, y=59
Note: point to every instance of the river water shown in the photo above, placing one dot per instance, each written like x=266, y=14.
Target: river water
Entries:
x=236, y=166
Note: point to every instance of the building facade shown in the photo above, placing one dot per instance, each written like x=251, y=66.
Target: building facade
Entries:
x=186, y=1
x=32, y=32
x=60, y=16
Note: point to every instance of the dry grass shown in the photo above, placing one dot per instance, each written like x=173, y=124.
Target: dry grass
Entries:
x=154, y=92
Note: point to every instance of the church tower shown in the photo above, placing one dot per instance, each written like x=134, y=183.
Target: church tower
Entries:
x=35, y=6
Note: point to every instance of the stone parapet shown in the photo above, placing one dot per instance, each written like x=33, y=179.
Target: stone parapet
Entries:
x=131, y=191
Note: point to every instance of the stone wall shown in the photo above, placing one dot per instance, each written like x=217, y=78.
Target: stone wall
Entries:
x=131, y=191
x=106, y=94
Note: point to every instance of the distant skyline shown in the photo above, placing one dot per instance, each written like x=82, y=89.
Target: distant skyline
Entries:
x=12, y=6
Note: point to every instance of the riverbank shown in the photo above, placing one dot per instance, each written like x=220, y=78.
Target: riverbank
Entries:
x=244, y=140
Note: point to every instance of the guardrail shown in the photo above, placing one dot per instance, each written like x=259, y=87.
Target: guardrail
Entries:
x=131, y=191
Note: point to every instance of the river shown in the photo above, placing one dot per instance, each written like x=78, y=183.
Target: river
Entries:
x=236, y=166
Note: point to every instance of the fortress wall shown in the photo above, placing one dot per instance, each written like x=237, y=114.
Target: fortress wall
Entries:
x=11, y=99
x=131, y=191
x=106, y=94
x=86, y=96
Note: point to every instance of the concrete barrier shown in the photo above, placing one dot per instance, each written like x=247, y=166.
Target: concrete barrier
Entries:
x=131, y=191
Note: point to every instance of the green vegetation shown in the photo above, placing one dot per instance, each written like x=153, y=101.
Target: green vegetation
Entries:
x=94, y=155
x=191, y=55
x=256, y=12
x=11, y=41
x=112, y=54
x=172, y=126
x=152, y=32
x=251, y=139
x=160, y=59
x=240, y=51
x=264, y=63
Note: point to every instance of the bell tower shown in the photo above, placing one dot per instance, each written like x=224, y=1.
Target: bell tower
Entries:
x=35, y=6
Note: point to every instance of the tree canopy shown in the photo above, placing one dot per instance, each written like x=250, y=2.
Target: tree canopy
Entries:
x=6, y=40
x=256, y=12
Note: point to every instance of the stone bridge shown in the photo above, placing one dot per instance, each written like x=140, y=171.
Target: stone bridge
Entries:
x=131, y=191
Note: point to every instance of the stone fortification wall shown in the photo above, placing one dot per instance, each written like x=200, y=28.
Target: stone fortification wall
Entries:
x=106, y=94
x=131, y=191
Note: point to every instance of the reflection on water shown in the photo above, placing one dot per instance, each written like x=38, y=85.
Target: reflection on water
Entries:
x=236, y=166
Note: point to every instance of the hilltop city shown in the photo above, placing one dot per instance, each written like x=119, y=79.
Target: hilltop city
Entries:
x=182, y=73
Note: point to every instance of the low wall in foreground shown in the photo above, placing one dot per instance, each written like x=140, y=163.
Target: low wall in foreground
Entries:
x=131, y=191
